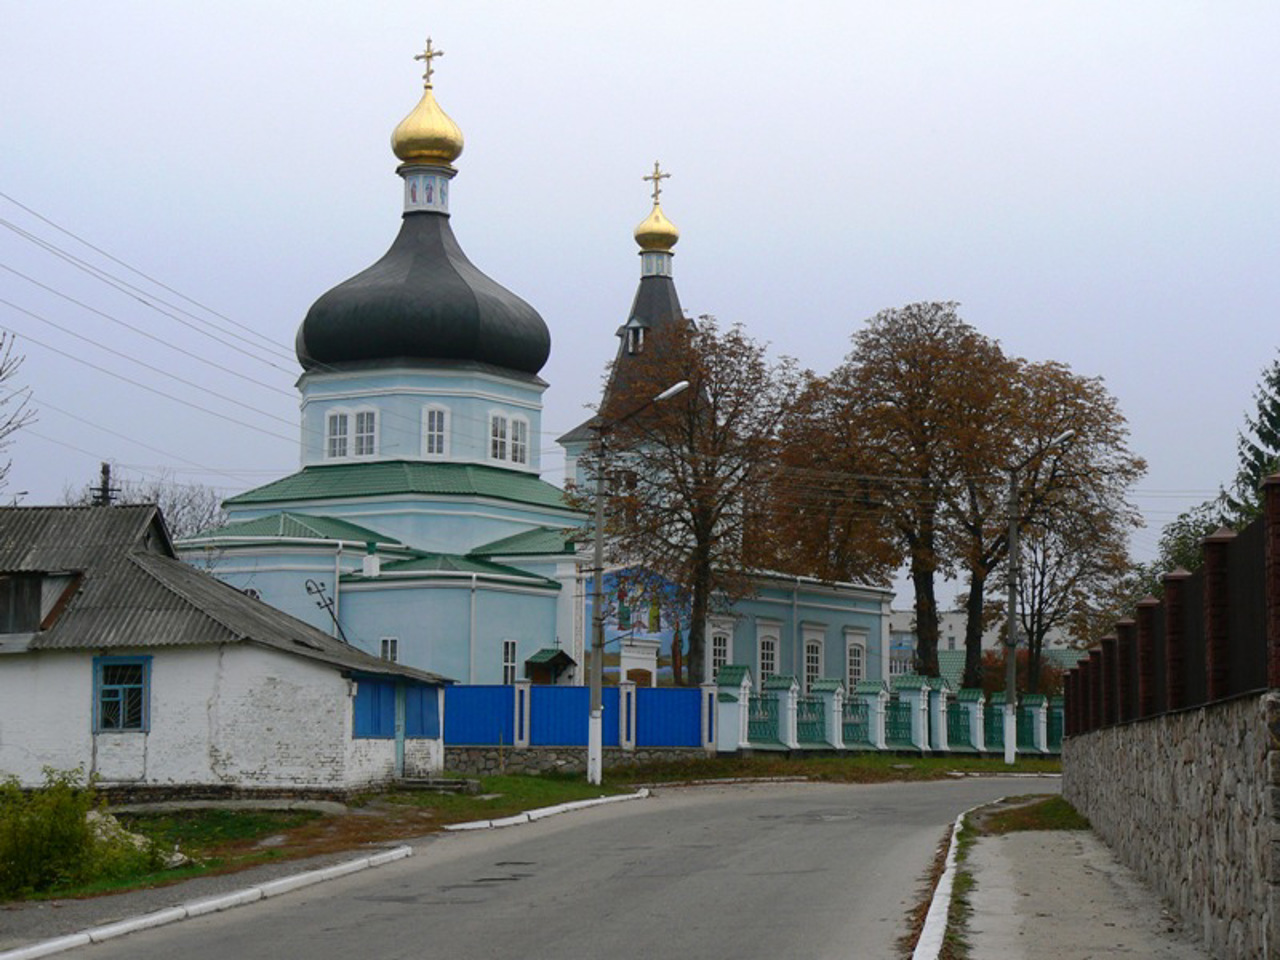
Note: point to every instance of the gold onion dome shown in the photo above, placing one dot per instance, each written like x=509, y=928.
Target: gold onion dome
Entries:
x=427, y=135
x=656, y=232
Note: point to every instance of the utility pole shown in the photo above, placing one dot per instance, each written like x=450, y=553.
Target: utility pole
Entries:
x=104, y=494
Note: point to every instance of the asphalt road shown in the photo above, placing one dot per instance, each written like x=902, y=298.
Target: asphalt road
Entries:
x=799, y=870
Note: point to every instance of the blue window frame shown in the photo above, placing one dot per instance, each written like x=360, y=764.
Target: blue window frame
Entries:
x=121, y=694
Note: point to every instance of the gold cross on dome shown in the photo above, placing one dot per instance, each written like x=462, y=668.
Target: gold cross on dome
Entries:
x=428, y=55
x=657, y=177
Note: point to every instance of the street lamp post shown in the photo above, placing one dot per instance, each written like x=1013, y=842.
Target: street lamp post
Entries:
x=1011, y=629
x=595, y=722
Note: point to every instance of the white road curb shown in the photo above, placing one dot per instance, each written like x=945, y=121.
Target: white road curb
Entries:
x=198, y=908
x=541, y=813
x=935, y=922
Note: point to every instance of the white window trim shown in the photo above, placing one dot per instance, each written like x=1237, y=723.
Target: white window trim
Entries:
x=854, y=640
x=494, y=416
x=508, y=661
x=512, y=422
x=763, y=635
x=813, y=639
x=331, y=415
x=715, y=627
x=389, y=649
x=447, y=422
x=377, y=430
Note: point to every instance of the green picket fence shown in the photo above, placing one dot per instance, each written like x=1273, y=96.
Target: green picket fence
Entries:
x=1026, y=729
x=958, y=735
x=994, y=732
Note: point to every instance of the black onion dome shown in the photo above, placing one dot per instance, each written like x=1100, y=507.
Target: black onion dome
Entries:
x=424, y=300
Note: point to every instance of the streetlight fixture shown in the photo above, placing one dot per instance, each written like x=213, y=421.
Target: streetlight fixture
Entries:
x=595, y=722
x=1011, y=630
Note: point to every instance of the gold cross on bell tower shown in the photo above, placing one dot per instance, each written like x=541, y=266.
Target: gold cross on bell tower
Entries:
x=428, y=55
x=657, y=177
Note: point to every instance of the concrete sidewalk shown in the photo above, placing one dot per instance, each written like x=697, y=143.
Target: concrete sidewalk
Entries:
x=1063, y=895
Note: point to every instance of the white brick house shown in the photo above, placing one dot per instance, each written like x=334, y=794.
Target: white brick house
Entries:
x=118, y=657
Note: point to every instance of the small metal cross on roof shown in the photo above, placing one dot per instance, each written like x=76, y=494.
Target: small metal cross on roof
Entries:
x=428, y=55
x=657, y=177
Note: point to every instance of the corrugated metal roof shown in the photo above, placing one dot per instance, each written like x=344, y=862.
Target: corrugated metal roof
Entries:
x=52, y=539
x=542, y=541
x=427, y=564
x=296, y=526
x=400, y=477
x=133, y=593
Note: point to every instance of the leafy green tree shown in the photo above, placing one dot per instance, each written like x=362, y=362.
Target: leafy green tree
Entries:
x=1258, y=447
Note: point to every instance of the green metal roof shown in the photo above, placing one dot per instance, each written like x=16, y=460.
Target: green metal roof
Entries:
x=537, y=542
x=968, y=695
x=406, y=477
x=447, y=564
x=780, y=682
x=825, y=685
x=549, y=655
x=731, y=675
x=296, y=526
x=951, y=667
x=1034, y=699
x=910, y=681
x=870, y=686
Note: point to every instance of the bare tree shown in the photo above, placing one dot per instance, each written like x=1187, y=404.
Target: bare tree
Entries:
x=16, y=411
x=188, y=508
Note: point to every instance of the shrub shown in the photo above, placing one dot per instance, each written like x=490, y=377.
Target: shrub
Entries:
x=47, y=841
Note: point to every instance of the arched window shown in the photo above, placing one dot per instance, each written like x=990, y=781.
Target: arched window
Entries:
x=855, y=670
x=812, y=662
x=435, y=431
x=768, y=659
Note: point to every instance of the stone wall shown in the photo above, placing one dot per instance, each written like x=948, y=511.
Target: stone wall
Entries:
x=484, y=761
x=1191, y=801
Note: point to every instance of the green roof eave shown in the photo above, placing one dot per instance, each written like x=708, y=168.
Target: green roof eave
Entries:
x=732, y=675
x=287, y=527
x=383, y=478
x=539, y=542
x=448, y=566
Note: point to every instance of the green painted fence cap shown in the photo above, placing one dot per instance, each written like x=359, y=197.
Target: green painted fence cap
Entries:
x=726, y=698
x=732, y=675
x=969, y=695
x=1034, y=699
x=910, y=681
x=825, y=685
x=870, y=686
x=780, y=682
x=998, y=697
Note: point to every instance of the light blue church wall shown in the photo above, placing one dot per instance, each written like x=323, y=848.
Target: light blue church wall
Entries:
x=435, y=629
x=455, y=525
x=790, y=612
x=401, y=397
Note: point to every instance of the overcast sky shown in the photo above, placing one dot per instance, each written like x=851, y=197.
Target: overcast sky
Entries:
x=1096, y=183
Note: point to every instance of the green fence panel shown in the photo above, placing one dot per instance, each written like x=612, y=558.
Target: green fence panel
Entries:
x=994, y=733
x=762, y=719
x=897, y=723
x=857, y=723
x=958, y=736
x=1055, y=729
x=811, y=720
x=1026, y=729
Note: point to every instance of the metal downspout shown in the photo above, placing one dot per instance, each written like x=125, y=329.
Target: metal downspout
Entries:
x=471, y=640
x=795, y=631
x=337, y=579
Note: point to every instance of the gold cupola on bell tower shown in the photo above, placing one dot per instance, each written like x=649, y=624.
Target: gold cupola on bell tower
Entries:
x=655, y=233
x=427, y=135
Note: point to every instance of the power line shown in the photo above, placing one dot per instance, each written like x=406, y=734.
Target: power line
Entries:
x=135, y=270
